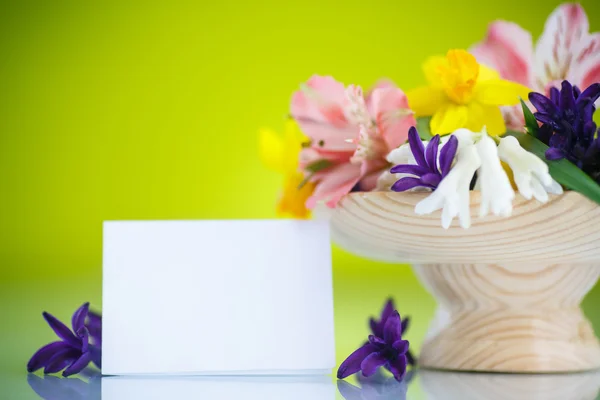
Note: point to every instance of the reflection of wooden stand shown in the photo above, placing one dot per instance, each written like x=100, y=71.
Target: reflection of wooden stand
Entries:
x=516, y=309
x=477, y=386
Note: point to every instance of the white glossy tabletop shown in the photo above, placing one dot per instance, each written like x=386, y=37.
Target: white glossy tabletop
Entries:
x=430, y=385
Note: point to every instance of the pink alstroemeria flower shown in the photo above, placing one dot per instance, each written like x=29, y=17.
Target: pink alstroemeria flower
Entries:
x=351, y=133
x=566, y=50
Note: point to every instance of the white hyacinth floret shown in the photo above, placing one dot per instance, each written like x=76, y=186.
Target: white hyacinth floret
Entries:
x=477, y=159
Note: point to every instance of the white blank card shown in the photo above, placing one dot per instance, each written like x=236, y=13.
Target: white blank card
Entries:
x=217, y=297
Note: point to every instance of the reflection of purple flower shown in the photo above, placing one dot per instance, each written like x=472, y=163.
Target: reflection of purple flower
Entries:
x=377, y=326
x=427, y=173
x=389, y=351
x=72, y=353
x=568, y=127
x=377, y=387
x=54, y=388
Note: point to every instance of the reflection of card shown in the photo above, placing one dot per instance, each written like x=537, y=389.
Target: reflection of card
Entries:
x=221, y=388
x=217, y=297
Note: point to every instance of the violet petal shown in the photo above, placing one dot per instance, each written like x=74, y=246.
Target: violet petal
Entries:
x=78, y=365
x=409, y=169
x=566, y=100
x=554, y=95
x=416, y=146
x=560, y=140
x=61, y=330
x=544, y=133
x=431, y=179
x=592, y=92
x=96, y=353
x=43, y=355
x=406, y=184
x=542, y=103
x=94, y=319
x=398, y=367
x=79, y=316
x=374, y=325
x=431, y=153
x=85, y=338
x=543, y=118
x=405, y=324
x=392, y=329
x=388, y=310
x=351, y=365
x=447, y=155
x=374, y=340
x=61, y=360
x=587, y=112
x=371, y=363
x=401, y=345
x=554, y=154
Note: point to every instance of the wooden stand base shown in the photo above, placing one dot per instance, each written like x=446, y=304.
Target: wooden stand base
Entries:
x=509, y=318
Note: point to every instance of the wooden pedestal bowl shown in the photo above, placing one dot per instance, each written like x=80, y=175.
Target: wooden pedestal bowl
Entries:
x=508, y=289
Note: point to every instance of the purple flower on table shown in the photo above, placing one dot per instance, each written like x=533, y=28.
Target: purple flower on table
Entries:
x=427, y=173
x=94, y=326
x=378, y=326
x=389, y=351
x=568, y=127
x=73, y=352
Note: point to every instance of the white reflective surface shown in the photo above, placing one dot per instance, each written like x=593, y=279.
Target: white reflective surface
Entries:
x=423, y=385
x=225, y=388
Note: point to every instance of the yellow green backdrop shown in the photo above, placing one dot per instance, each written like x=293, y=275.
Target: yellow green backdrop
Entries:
x=149, y=110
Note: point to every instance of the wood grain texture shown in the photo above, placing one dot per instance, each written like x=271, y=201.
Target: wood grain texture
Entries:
x=465, y=386
x=509, y=318
x=383, y=226
x=508, y=289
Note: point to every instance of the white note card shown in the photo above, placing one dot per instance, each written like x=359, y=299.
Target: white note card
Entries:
x=217, y=297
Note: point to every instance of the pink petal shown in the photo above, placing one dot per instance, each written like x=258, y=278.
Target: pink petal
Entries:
x=370, y=171
x=586, y=69
x=556, y=51
x=369, y=182
x=508, y=49
x=335, y=184
x=388, y=106
x=311, y=155
x=380, y=84
x=318, y=109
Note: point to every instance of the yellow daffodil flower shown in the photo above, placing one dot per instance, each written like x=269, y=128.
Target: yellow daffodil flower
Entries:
x=463, y=94
x=280, y=153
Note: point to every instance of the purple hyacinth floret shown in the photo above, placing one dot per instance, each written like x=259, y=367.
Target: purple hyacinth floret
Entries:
x=94, y=326
x=389, y=351
x=73, y=352
x=377, y=326
x=427, y=172
x=568, y=127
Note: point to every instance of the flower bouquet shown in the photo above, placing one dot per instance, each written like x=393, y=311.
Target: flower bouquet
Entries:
x=502, y=148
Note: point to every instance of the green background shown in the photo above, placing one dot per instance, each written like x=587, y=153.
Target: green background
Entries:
x=149, y=110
